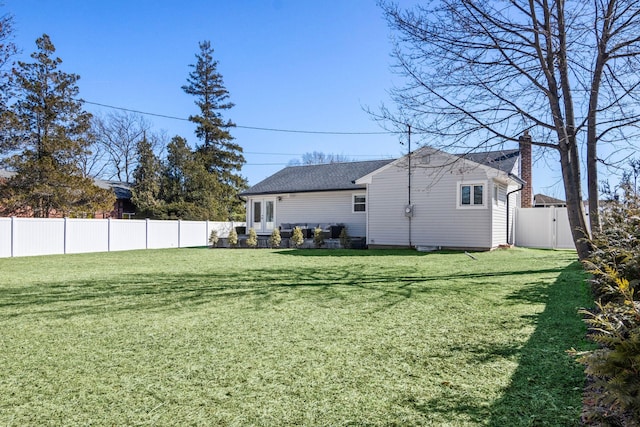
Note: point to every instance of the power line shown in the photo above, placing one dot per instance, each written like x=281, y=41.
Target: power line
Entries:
x=316, y=132
x=375, y=156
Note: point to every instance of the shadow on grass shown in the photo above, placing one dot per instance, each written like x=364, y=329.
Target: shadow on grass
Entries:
x=313, y=252
x=546, y=387
x=387, y=287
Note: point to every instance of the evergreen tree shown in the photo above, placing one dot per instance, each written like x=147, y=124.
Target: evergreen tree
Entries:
x=146, y=188
x=220, y=155
x=188, y=189
x=7, y=50
x=49, y=133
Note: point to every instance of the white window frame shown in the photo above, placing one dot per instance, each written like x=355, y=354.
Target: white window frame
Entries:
x=353, y=203
x=471, y=184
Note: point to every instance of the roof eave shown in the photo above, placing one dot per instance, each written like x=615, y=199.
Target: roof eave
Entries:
x=324, y=190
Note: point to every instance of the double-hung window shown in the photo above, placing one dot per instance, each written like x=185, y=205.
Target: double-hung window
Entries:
x=359, y=202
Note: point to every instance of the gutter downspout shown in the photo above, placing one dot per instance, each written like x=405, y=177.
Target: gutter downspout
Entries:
x=409, y=181
x=522, y=184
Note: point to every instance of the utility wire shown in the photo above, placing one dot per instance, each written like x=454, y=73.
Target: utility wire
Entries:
x=376, y=156
x=242, y=127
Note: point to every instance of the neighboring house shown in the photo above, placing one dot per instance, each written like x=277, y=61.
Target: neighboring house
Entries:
x=544, y=201
x=442, y=200
x=122, y=208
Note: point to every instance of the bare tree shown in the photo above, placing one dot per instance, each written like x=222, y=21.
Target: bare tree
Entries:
x=479, y=74
x=92, y=161
x=117, y=136
x=318, y=158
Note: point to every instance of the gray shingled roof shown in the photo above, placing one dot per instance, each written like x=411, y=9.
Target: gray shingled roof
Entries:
x=325, y=177
x=503, y=160
x=341, y=176
x=543, y=199
x=122, y=190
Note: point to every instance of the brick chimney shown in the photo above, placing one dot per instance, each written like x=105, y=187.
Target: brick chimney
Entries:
x=526, y=198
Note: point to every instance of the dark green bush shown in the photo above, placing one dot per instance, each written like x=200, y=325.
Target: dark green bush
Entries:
x=615, y=324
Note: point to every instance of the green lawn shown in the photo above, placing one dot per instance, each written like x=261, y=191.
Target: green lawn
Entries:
x=308, y=337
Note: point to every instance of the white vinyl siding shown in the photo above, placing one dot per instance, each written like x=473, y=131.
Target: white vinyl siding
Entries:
x=437, y=221
x=499, y=214
x=323, y=207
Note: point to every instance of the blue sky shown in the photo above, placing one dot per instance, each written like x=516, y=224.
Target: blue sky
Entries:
x=288, y=64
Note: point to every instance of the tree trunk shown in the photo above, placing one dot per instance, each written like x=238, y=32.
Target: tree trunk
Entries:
x=592, y=186
x=575, y=209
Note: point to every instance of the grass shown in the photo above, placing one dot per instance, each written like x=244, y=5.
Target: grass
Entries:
x=307, y=337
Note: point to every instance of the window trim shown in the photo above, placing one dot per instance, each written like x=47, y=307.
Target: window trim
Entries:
x=353, y=203
x=471, y=184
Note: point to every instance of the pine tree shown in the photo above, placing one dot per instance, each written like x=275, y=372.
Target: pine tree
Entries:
x=146, y=188
x=50, y=132
x=221, y=156
x=7, y=50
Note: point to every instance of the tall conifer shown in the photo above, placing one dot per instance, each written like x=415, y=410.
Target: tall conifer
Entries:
x=218, y=152
x=50, y=131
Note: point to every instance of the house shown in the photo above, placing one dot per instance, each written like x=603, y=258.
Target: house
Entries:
x=122, y=208
x=544, y=201
x=426, y=199
x=312, y=195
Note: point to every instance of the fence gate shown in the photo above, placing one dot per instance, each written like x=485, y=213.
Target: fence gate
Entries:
x=546, y=228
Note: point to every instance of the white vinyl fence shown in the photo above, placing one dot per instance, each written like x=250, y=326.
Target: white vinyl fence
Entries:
x=546, y=228
x=48, y=236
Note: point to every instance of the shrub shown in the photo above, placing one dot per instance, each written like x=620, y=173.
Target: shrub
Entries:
x=213, y=238
x=233, y=238
x=616, y=365
x=275, y=239
x=318, y=237
x=296, y=237
x=345, y=239
x=615, y=324
x=252, y=240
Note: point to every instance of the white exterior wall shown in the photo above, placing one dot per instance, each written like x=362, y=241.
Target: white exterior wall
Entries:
x=437, y=219
x=498, y=214
x=499, y=209
x=324, y=207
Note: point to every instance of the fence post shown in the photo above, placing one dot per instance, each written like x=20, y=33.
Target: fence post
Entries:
x=64, y=238
x=179, y=225
x=146, y=233
x=109, y=234
x=13, y=218
x=554, y=229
